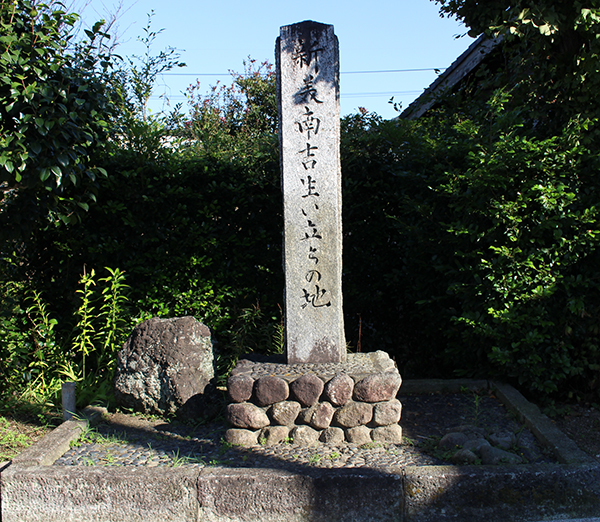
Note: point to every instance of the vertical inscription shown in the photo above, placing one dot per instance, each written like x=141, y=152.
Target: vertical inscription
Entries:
x=308, y=96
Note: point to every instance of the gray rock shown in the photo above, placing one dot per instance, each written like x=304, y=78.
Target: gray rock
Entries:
x=464, y=456
x=270, y=389
x=503, y=439
x=332, y=436
x=475, y=445
x=383, y=361
x=386, y=413
x=353, y=414
x=391, y=433
x=321, y=416
x=305, y=415
x=452, y=441
x=338, y=391
x=241, y=437
x=239, y=387
x=242, y=366
x=246, y=415
x=307, y=389
x=528, y=448
x=304, y=435
x=358, y=435
x=493, y=455
x=285, y=413
x=271, y=435
x=378, y=387
x=166, y=367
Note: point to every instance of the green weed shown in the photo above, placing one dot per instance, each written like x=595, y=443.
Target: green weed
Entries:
x=178, y=460
x=11, y=443
x=314, y=458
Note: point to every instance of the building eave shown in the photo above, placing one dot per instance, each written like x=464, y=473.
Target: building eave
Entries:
x=462, y=66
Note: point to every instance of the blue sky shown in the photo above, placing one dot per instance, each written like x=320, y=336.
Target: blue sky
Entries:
x=216, y=36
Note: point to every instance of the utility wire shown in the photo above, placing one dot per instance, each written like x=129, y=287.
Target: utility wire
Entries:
x=436, y=69
x=343, y=95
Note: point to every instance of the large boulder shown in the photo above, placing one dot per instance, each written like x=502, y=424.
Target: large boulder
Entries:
x=166, y=367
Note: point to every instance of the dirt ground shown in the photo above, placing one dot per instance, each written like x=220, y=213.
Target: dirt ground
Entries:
x=20, y=429
x=582, y=424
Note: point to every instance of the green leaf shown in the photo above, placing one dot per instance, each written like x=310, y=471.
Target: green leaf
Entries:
x=63, y=159
x=8, y=165
x=44, y=174
x=36, y=147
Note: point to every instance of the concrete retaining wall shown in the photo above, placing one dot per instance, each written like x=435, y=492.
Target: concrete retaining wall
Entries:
x=78, y=494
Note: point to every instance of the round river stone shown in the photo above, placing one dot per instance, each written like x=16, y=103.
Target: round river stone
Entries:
x=358, y=435
x=241, y=437
x=392, y=433
x=304, y=435
x=285, y=413
x=354, y=414
x=246, y=415
x=239, y=387
x=338, y=391
x=269, y=390
x=378, y=387
x=307, y=389
x=322, y=415
x=270, y=435
x=386, y=413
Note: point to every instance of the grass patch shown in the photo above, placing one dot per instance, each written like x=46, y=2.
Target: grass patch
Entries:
x=23, y=424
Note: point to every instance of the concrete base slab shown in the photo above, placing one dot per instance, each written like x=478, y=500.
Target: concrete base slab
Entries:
x=348, y=495
x=500, y=494
x=77, y=494
x=32, y=490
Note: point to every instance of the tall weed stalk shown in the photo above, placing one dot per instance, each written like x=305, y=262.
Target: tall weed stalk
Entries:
x=39, y=363
x=83, y=342
x=47, y=354
x=112, y=316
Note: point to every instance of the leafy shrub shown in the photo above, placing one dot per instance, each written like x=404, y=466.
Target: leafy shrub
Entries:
x=39, y=353
x=53, y=113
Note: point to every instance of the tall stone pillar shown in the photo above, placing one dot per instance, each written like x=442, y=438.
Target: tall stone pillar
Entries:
x=309, y=132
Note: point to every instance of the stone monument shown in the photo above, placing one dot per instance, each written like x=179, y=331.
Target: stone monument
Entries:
x=309, y=136
x=320, y=394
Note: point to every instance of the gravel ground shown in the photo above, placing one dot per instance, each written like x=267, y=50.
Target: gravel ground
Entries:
x=131, y=440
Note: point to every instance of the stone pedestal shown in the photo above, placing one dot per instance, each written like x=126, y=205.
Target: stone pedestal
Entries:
x=351, y=402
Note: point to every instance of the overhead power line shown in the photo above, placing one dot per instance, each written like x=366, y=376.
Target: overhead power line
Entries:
x=436, y=69
x=344, y=95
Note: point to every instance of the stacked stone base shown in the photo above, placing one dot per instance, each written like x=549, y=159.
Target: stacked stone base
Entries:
x=333, y=403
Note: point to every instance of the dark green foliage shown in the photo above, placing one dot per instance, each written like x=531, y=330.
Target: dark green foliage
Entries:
x=470, y=236
x=547, y=64
x=524, y=203
x=470, y=250
x=196, y=236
